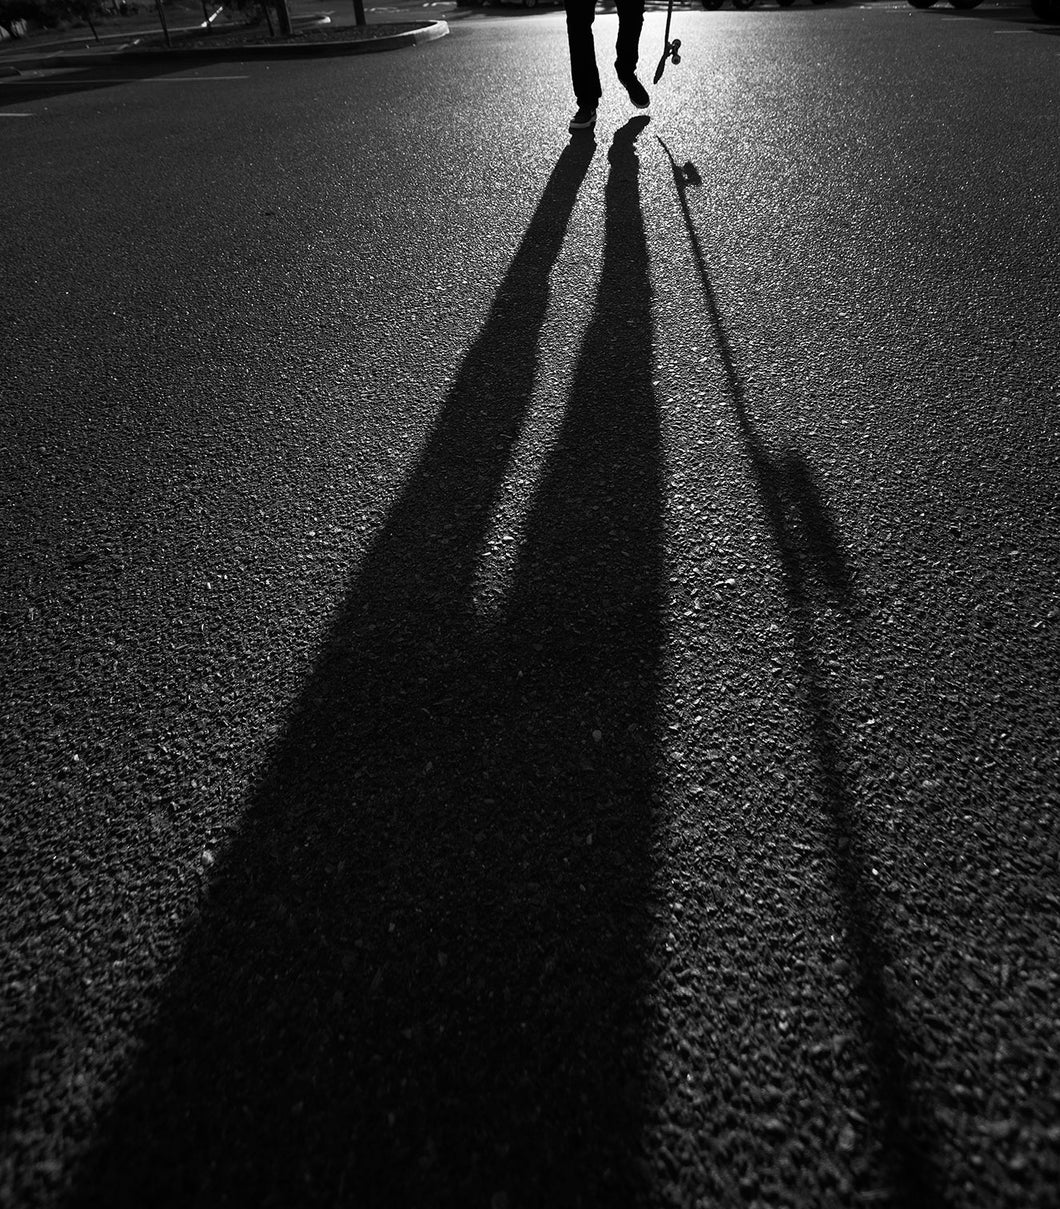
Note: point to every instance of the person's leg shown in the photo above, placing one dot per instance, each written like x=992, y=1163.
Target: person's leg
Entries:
x=583, y=71
x=627, y=47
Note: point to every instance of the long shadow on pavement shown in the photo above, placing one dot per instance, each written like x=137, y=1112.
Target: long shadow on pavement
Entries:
x=815, y=576
x=23, y=90
x=1014, y=14
x=418, y=977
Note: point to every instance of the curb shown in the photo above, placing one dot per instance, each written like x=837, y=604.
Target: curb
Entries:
x=413, y=37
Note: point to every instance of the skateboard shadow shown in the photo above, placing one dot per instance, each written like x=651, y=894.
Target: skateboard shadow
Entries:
x=419, y=975
x=816, y=579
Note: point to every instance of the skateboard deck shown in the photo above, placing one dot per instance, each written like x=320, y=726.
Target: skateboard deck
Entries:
x=670, y=49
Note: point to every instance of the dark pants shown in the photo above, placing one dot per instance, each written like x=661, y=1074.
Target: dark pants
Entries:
x=584, y=75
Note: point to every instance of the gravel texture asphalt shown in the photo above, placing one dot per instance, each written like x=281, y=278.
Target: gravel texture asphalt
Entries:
x=530, y=664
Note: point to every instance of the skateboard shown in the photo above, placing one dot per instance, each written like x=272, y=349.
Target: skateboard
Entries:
x=670, y=49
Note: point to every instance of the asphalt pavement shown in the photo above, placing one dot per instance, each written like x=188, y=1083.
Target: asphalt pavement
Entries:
x=530, y=663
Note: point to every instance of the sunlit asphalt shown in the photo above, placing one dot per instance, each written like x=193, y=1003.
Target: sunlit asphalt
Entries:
x=529, y=667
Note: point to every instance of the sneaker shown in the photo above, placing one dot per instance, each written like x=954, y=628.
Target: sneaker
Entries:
x=638, y=94
x=584, y=119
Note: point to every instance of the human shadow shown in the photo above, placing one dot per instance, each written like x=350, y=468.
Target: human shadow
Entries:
x=418, y=977
x=816, y=579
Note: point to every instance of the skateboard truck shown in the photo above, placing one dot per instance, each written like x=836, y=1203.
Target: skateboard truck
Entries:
x=670, y=49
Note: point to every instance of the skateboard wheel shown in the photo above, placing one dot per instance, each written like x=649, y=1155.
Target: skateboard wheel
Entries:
x=676, y=45
x=677, y=59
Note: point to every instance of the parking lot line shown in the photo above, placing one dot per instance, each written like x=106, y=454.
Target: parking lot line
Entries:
x=148, y=80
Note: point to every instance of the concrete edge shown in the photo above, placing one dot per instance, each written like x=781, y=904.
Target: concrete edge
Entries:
x=413, y=37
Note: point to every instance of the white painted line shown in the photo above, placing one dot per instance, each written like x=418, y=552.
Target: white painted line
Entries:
x=83, y=83
x=16, y=115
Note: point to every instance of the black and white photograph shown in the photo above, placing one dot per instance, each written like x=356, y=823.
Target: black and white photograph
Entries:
x=529, y=604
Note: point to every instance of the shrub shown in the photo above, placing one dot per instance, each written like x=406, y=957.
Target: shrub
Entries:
x=48, y=13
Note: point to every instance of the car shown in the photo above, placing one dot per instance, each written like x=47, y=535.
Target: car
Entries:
x=716, y=4
x=955, y=3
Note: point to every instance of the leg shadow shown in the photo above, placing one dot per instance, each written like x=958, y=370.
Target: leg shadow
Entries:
x=417, y=979
x=815, y=575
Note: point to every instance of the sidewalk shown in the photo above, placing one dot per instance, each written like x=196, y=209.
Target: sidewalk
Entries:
x=337, y=34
